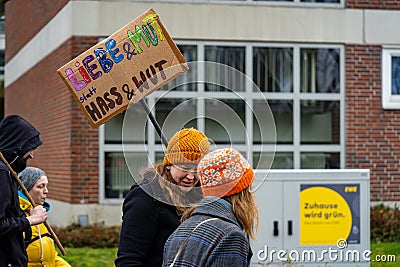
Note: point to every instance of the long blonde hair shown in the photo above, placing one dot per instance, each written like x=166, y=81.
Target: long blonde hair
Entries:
x=244, y=208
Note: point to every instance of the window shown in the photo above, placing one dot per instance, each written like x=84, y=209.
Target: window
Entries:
x=309, y=114
x=175, y=113
x=231, y=56
x=301, y=127
x=391, y=78
x=319, y=122
x=282, y=111
x=118, y=176
x=273, y=69
x=225, y=121
x=320, y=70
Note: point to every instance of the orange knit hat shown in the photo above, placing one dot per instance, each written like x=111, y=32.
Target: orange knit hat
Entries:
x=224, y=172
x=186, y=146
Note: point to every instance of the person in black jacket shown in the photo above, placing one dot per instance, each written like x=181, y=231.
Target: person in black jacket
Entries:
x=216, y=231
x=18, y=139
x=152, y=209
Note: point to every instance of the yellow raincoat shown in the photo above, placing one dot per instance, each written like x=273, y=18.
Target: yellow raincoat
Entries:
x=41, y=252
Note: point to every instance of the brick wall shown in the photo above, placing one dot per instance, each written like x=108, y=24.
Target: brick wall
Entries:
x=25, y=19
x=374, y=4
x=69, y=154
x=372, y=134
x=70, y=151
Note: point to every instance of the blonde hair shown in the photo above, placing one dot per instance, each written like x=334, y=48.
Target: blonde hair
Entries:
x=244, y=208
x=175, y=195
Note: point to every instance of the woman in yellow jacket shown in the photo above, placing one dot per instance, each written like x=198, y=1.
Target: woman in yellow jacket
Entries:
x=39, y=245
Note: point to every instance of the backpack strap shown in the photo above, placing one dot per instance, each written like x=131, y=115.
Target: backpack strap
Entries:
x=30, y=241
x=187, y=238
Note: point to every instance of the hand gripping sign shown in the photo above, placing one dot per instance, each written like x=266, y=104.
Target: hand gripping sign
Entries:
x=122, y=69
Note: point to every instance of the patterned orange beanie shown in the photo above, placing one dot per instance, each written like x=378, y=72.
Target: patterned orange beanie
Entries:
x=186, y=146
x=224, y=172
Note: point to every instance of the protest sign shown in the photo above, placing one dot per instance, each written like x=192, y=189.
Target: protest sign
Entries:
x=123, y=68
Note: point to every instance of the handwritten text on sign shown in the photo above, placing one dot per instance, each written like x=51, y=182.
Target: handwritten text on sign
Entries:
x=122, y=69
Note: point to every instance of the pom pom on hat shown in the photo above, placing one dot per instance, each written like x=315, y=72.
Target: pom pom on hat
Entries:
x=29, y=176
x=224, y=172
x=186, y=146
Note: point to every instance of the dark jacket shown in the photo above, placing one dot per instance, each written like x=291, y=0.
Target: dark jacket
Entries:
x=17, y=136
x=215, y=243
x=146, y=224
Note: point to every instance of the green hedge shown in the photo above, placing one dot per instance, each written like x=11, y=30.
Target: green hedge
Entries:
x=94, y=236
x=385, y=224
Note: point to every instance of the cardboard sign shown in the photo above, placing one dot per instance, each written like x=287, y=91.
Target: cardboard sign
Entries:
x=122, y=69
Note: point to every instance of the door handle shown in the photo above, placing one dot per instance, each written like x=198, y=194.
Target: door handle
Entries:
x=276, y=231
x=290, y=227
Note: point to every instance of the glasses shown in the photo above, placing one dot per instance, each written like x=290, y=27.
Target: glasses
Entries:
x=187, y=167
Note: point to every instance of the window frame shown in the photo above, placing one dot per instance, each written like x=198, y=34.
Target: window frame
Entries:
x=248, y=148
x=389, y=101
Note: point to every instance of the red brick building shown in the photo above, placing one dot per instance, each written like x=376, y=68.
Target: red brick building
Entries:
x=327, y=69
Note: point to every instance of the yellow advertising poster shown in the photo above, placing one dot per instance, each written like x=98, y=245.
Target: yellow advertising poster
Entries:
x=329, y=213
x=122, y=69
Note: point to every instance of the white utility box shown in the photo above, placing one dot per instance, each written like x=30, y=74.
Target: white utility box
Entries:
x=312, y=218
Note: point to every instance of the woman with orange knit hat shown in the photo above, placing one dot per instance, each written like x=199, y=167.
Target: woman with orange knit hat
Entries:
x=152, y=210
x=216, y=231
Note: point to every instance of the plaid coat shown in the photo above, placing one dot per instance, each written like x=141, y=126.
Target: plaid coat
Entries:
x=215, y=243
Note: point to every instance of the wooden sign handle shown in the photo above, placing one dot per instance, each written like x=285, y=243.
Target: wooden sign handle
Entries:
x=15, y=176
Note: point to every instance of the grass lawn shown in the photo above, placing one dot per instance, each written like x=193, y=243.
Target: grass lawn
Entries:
x=384, y=250
x=90, y=257
x=104, y=257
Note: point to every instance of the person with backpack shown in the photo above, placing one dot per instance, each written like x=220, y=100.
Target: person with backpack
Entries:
x=39, y=243
x=216, y=232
